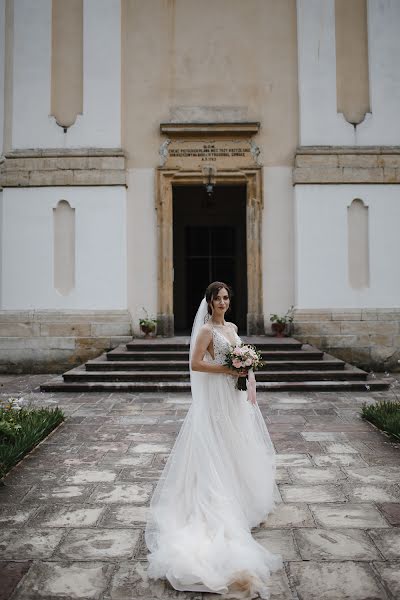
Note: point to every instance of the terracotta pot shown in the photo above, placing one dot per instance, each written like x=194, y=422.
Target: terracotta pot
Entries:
x=148, y=330
x=278, y=329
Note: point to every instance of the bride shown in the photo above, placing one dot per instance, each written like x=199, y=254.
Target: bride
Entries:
x=218, y=481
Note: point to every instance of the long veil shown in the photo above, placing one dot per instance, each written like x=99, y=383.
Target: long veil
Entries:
x=216, y=485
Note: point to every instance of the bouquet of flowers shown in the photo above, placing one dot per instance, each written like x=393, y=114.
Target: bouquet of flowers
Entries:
x=241, y=358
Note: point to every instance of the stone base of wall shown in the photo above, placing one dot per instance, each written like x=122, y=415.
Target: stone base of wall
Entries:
x=368, y=338
x=48, y=341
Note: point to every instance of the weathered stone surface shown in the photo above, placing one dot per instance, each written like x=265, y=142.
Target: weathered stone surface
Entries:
x=72, y=581
x=122, y=493
x=22, y=544
x=347, y=515
x=131, y=581
x=289, y=515
x=388, y=542
x=335, y=581
x=311, y=475
x=390, y=575
x=101, y=544
x=385, y=475
x=65, y=329
x=15, y=515
x=327, y=460
x=122, y=516
x=278, y=541
x=90, y=476
x=294, y=460
x=348, y=544
x=68, y=516
x=11, y=574
x=316, y=493
x=391, y=511
x=373, y=493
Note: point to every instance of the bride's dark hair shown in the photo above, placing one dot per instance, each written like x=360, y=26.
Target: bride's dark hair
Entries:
x=213, y=290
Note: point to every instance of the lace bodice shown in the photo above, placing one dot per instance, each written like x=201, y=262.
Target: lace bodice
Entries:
x=222, y=345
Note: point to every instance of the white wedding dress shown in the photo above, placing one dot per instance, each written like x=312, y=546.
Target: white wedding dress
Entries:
x=217, y=484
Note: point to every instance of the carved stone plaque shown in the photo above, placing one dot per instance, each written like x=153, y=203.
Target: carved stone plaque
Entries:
x=194, y=154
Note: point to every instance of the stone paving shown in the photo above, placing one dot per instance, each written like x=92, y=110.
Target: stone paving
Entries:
x=72, y=513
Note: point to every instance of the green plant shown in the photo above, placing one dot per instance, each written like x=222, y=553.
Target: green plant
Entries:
x=283, y=319
x=385, y=414
x=147, y=322
x=21, y=428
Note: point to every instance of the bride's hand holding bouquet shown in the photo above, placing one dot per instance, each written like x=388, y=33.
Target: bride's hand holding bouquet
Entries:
x=242, y=359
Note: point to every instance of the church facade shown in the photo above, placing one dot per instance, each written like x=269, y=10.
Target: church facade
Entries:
x=148, y=148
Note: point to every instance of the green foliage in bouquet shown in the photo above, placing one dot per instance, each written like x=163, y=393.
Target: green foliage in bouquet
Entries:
x=21, y=428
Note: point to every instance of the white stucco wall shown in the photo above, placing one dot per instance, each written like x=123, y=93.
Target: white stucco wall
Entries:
x=277, y=241
x=142, y=243
x=100, y=124
x=321, y=269
x=28, y=248
x=320, y=123
x=2, y=67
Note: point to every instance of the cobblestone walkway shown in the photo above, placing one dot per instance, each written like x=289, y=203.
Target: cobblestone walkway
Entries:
x=72, y=513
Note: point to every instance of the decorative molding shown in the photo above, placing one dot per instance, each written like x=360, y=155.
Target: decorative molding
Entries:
x=182, y=129
x=352, y=164
x=37, y=168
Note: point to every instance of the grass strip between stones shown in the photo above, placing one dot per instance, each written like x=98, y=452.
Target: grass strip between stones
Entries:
x=385, y=414
x=22, y=428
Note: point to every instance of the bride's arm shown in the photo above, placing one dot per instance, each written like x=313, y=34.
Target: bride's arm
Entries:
x=203, y=340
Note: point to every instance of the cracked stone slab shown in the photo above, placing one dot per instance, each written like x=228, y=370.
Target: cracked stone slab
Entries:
x=323, y=436
x=335, y=581
x=16, y=515
x=340, y=448
x=383, y=475
x=131, y=582
x=339, y=460
x=11, y=574
x=373, y=493
x=328, y=544
x=314, y=493
x=138, y=460
x=67, y=581
x=278, y=541
x=82, y=476
x=390, y=575
x=68, y=516
x=122, y=493
x=149, y=474
x=388, y=542
x=363, y=516
x=22, y=544
x=150, y=448
x=289, y=515
x=65, y=493
x=99, y=544
x=315, y=475
x=122, y=516
x=391, y=511
x=293, y=460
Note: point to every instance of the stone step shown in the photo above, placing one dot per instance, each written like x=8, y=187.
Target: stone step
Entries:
x=58, y=385
x=181, y=365
x=121, y=354
x=82, y=375
x=263, y=343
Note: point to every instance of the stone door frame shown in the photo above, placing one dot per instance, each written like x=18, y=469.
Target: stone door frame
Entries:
x=252, y=178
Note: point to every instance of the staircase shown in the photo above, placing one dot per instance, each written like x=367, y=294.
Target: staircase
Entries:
x=162, y=364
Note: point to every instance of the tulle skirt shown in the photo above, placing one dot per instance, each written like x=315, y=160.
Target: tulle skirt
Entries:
x=217, y=484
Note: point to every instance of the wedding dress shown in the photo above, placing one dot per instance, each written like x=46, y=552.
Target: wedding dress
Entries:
x=217, y=484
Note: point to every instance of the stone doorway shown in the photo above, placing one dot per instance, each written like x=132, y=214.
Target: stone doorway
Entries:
x=209, y=243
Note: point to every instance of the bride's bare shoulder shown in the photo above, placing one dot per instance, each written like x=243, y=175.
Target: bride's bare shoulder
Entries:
x=205, y=330
x=233, y=326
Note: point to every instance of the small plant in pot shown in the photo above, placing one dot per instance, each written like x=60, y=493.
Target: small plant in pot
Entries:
x=148, y=325
x=280, y=322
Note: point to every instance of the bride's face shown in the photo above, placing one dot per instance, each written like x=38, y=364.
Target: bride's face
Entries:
x=220, y=302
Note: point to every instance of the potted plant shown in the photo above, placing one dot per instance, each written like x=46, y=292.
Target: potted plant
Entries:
x=279, y=322
x=148, y=325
